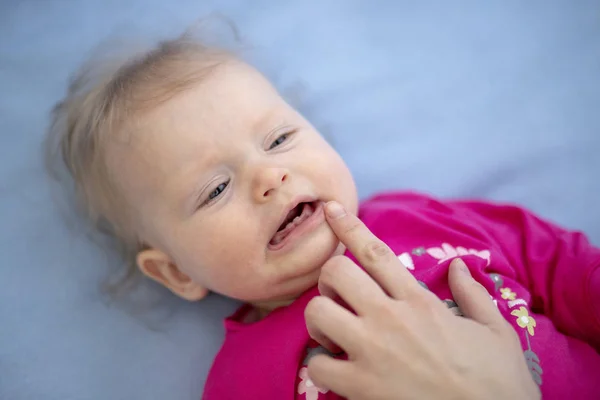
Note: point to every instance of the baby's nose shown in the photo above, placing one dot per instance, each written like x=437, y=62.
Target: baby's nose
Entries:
x=268, y=180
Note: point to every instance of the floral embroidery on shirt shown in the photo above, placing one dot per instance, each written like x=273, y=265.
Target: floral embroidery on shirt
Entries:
x=447, y=251
x=517, y=302
x=406, y=260
x=524, y=320
x=307, y=386
x=419, y=251
x=497, y=279
x=508, y=294
x=533, y=363
x=494, y=301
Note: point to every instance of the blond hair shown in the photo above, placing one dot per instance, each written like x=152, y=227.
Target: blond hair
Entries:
x=103, y=95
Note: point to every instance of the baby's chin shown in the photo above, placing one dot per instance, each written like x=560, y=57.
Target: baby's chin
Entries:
x=308, y=257
x=299, y=270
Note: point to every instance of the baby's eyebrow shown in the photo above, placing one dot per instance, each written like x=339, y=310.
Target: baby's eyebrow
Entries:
x=192, y=197
x=191, y=182
x=195, y=198
x=266, y=120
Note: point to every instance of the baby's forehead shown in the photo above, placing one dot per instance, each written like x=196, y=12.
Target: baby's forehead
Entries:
x=234, y=95
x=234, y=99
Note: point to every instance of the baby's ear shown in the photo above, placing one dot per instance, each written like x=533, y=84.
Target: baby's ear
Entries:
x=158, y=266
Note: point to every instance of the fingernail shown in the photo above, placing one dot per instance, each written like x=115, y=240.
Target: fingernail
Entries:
x=334, y=210
x=462, y=266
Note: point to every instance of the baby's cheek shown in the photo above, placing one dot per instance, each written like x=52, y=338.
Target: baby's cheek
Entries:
x=340, y=180
x=236, y=278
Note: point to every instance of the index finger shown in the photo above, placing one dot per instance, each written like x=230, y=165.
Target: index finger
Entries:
x=375, y=256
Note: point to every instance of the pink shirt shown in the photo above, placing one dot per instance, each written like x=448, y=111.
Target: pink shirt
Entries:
x=544, y=280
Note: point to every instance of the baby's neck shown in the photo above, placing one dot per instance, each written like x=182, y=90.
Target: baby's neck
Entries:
x=261, y=310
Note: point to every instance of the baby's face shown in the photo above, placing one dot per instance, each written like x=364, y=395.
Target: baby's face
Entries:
x=218, y=171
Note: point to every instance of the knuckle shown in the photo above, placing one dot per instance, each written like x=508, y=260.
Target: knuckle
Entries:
x=388, y=309
x=352, y=227
x=428, y=301
x=375, y=251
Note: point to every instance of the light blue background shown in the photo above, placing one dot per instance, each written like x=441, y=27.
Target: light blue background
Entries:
x=458, y=98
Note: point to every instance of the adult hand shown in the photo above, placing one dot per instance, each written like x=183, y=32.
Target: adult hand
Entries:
x=403, y=342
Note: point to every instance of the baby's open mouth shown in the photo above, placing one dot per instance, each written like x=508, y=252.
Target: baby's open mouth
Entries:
x=295, y=217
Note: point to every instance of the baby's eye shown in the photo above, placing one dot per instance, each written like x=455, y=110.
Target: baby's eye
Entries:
x=279, y=140
x=218, y=190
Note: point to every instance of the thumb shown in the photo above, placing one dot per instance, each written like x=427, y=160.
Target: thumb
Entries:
x=472, y=298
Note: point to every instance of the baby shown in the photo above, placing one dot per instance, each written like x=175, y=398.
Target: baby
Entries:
x=213, y=183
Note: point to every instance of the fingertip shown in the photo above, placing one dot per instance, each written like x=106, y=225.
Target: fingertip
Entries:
x=334, y=210
x=339, y=376
x=472, y=297
x=316, y=366
x=459, y=266
x=325, y=290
